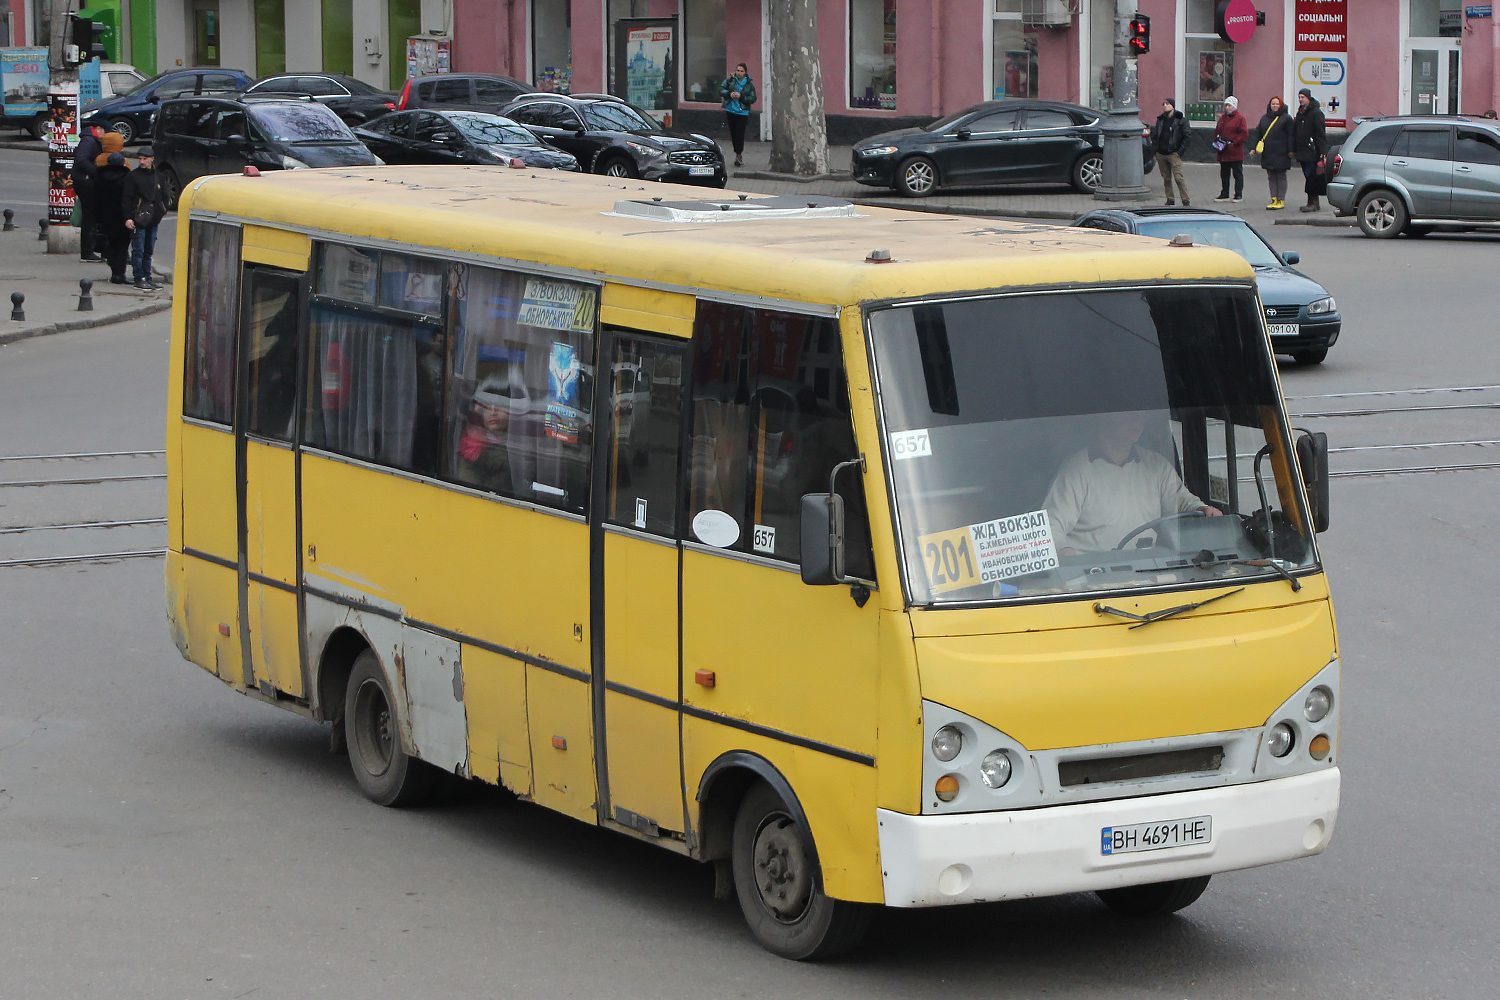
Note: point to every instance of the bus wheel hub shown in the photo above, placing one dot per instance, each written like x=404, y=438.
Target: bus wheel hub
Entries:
x=781, y=871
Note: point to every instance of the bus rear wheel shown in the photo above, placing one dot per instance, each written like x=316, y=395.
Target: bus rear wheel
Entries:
x=1155, y=900
x=385, y=772
x=780, y=888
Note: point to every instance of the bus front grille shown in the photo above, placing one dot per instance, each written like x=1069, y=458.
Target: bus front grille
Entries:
x=1135, y=767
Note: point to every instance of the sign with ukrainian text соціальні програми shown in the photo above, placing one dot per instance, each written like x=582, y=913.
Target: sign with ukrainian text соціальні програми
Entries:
x=1320, y=57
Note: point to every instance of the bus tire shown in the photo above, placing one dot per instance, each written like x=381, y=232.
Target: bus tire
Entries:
x=385, y=772
x=1155, y=900
x=780, y=887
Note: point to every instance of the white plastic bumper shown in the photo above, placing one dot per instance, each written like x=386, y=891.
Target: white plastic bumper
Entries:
x=980, y=857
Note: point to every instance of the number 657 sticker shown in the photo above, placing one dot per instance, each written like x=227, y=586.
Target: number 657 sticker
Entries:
x=910, y=444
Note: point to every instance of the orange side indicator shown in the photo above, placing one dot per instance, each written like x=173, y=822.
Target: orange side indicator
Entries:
x=559, y=743
x=223, y=628
x=704, y=677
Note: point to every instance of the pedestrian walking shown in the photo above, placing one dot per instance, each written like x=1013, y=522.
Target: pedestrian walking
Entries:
x=145, y=205
x=1169, y=137
x=110, y=188
x=1230, y=134
x=1273, y=141
x=738, y=93
x=84, y=172
x=1309, y=144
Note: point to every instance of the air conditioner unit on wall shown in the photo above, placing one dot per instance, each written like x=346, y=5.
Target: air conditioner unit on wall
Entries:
x=1046, y=13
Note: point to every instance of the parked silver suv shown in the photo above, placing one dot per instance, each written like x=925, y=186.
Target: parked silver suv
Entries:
x=1412, y=173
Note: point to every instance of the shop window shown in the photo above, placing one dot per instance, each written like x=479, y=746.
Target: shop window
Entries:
x=704, y=52
x=770, y=421
x=522, y=386
x=872, y=54
x=1436, y=19
x=1208, y=67
x=213, y=283
x=1013, y=52
x=552, y=45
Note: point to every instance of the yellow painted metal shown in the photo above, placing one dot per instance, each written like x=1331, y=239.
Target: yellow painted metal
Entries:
x=271, y=551
x=278, y=247
x=640, y=652
x=899, y=717
x=205, y=479
x=212, y=598
x=558, y=706
x=495, y=702
x=647, y=309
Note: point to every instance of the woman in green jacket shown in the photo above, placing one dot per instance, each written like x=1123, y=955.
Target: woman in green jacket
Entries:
x=738, y=93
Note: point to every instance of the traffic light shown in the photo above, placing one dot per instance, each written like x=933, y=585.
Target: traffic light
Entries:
x=88, y=35
x=1140, y=35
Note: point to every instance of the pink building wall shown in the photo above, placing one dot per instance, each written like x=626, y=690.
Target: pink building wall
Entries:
x=1481, y=66
x=1375, y=60
x=1156, y=71
x=1259, y=65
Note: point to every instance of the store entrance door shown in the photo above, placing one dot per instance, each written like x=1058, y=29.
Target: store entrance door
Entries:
x=1433, y=77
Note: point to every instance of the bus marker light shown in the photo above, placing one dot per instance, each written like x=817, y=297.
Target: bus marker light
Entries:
x=1280, y=740
x=558, y=743
x=1319, y=747
x=223, y=628
x=251, y=170
x=704, y=677
x=946, y=788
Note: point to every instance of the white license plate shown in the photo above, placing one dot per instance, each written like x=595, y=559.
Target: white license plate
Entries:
x=1156, y=836
x=700, y=171
x=1285, y=329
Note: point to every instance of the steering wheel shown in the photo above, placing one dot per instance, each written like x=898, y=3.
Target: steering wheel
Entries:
x=1160, y=520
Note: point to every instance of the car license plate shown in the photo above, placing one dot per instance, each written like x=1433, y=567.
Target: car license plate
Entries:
x=700, y=171
x=1284, y=329
x=1156, y=836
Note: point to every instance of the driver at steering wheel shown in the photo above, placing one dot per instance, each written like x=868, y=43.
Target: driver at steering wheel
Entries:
x=1110, y=487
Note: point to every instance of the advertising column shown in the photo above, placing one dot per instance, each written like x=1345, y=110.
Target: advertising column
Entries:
x=1320, y=60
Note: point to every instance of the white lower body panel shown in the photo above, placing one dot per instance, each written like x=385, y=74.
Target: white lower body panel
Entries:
x=982, y=857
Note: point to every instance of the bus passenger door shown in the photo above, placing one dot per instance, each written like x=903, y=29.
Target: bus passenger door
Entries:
x=638, y=430
x=264, y=432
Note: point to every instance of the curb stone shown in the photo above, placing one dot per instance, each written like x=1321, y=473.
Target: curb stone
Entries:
x=86, y=323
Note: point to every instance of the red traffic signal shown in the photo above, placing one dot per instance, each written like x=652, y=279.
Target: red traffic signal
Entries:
x=1140, y=35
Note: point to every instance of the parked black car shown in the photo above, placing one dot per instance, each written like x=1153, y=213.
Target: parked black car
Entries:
x=355, y=101
x=461, y=92
x=996, y=142
x=458, y=137
x=1302, y=317
x=200, y=136
x=131, y=114
x=609, y=136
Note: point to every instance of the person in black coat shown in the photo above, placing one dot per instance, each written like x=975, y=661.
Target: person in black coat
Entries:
x=1273, y=141
x=84, y=175
x=145, y=205
x=1309, y=143
x=109, y=186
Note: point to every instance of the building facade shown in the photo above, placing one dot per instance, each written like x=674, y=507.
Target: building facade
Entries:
x=885, y=63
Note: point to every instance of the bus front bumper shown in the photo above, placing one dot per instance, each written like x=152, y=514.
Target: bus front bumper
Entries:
x=982, y=857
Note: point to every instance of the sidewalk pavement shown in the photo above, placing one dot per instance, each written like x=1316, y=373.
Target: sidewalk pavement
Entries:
x=1026, y=202
x=50, y=284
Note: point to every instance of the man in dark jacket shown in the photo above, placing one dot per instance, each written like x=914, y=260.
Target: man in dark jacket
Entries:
x=1309, y=143
x=145, y=205
x=84, y=175
x=110, y=187
x=1169, y=137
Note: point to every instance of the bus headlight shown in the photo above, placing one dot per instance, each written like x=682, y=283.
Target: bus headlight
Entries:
x=1280, y=740
x=995, y=768
x=1319, y=701
x=946, y=743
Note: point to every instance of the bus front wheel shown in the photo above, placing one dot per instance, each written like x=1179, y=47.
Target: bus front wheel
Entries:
x=779, y=886
x=385, y=772
x=1155, y=900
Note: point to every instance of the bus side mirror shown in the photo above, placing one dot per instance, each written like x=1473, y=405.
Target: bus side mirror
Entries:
x=1312, y=459
x=822, y=536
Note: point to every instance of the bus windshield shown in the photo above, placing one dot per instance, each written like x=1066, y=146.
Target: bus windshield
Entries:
x=1056, y=444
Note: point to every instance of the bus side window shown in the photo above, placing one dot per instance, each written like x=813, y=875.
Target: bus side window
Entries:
x=770, y=421
x=520, y=410
x=212, y=318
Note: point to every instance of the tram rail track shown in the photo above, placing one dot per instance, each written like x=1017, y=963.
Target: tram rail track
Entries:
x=64, y=534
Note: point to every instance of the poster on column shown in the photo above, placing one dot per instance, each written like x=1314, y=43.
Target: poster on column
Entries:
x=1320, y=57
x=645, y=66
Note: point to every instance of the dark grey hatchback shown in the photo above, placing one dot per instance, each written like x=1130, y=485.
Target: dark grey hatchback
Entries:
x=1303, y=319
x=996, y=142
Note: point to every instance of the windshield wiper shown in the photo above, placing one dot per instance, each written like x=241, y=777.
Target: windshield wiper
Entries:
x=1275, y=564
x=1157, y=616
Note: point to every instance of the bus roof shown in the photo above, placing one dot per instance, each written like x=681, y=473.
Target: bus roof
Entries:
x=570, y=220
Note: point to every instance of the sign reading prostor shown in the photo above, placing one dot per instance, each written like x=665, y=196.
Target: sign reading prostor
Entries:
x=1234, y=20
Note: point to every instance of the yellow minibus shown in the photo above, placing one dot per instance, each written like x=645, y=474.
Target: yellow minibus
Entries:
x=873, y=557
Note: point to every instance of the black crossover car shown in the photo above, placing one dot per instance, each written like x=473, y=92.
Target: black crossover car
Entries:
x=1302, y=317
x=458, y=137
x=201, y=135
x=131, y=114
x=996, y=142
x=461, y=92
x=352, y=100
x=609, y=136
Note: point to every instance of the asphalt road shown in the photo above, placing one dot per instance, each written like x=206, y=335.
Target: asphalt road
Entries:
x=161, y=836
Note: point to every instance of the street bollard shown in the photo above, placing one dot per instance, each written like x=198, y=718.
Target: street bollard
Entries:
x=85, y=296
x=16, y=312
x=41, y=229
x=10, y=222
